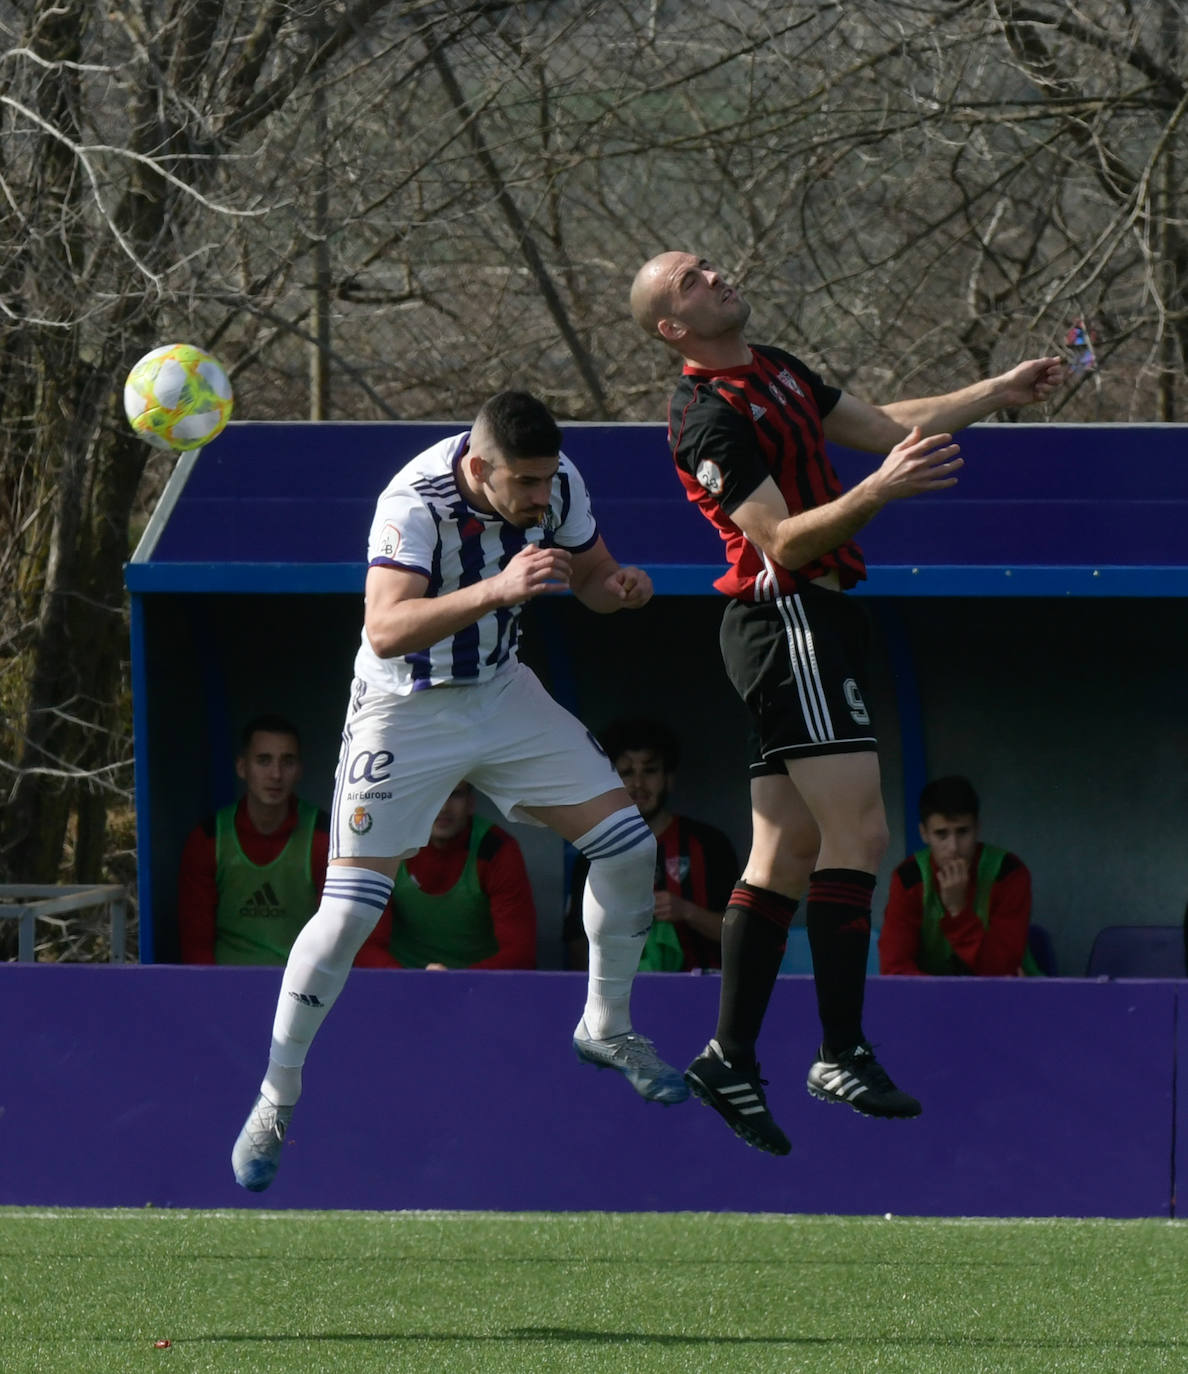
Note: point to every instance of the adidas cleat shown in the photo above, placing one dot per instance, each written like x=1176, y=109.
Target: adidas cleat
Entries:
x=738, y=1098
x=857, y=1078
x=256, y=1156
x=635, y=1057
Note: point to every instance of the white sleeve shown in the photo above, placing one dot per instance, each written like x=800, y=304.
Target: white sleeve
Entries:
x=577, y=529
x=403, y=533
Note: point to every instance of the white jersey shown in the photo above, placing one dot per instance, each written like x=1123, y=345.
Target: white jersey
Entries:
x=424, y=524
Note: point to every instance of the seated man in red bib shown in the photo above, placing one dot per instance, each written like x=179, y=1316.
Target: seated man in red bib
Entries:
x=251, y=875
x=957, y=906
x=462, y=901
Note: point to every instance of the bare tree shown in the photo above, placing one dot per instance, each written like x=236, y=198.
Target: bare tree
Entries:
x=438, y=198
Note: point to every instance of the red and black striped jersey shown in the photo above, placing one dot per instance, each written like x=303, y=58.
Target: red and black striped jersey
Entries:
x=731, y=430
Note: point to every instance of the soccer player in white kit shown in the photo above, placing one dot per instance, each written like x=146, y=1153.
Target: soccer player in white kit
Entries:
x=463, y=536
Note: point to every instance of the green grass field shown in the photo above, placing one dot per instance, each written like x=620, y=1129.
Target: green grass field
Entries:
x=91, y=1291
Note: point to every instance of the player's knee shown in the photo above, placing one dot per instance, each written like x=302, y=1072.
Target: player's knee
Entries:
x=622, y=842
x=622, y=855
x=782, y=861
x=874, y=837
x=631, y=869
x=788, y=872
x=330, y=939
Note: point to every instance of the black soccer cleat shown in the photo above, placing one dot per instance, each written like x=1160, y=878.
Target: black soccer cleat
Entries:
x=856, y=1077
x=738, y=1098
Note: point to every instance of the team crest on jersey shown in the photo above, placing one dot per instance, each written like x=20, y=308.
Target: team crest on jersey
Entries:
x=360, y=821
x=548, y=521
x=709, y=475
x=677, y=868
x=790, y=382
x=389, y=541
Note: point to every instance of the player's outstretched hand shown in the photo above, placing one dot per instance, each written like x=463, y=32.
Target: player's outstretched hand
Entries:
x=532, y=571
x=917, y=464
x=632, y=586
x=1032, y=381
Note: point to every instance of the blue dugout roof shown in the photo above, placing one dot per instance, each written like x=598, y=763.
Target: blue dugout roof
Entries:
x=1040, y=510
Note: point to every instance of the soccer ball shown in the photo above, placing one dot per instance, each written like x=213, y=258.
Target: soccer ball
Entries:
x=177, y=397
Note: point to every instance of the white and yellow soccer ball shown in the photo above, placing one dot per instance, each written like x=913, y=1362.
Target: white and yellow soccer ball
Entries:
x=177, y=397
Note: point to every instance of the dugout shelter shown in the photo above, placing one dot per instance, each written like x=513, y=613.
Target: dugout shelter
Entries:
x=1029, y=629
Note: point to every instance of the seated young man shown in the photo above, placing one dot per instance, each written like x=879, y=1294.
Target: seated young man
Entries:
x=464, y=900
x=958, y=906
x=696, y=866
x=251, y=875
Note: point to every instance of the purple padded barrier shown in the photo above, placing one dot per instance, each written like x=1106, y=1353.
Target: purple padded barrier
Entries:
x=125, y=1086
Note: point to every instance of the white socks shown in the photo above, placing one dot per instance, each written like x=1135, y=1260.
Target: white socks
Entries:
x=616, y=911
x=352, y=901
x=617, y=914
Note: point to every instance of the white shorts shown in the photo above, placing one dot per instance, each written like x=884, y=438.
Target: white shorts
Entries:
x=402, y=756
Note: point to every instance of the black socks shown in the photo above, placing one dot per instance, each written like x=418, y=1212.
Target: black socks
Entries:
x=838, y=919
x=754, y=934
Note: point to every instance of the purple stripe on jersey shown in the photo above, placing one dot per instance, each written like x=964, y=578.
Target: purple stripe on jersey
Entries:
x=464, y=650
x=419, y=663
x=513, y=540
x=506, y=617
x=404, y=567
x=435, y=571
x=581, y=548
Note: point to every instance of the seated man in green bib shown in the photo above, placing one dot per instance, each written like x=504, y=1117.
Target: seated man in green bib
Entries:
x=696, y=865
x=464, y=900
x=251, y=875
x=957, y=906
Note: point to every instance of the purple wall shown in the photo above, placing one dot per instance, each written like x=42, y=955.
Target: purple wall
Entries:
x=125, y=1086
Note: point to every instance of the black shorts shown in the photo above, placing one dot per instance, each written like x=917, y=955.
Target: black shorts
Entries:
x=799, y=663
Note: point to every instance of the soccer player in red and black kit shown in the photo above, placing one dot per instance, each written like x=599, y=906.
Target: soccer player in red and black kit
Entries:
x=747, y=428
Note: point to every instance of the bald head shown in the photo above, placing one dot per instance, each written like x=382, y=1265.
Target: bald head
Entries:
x=651, y=291
x=685, y=301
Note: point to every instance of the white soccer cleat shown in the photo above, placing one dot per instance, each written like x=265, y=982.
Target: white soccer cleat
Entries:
x=635, y=1057
x=256, y=1156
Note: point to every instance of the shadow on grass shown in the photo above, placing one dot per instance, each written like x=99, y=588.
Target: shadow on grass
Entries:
x=531, y=1334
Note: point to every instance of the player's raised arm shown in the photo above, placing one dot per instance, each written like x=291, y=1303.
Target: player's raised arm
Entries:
x=876, y=428
x=915, y=465
x=401, y=619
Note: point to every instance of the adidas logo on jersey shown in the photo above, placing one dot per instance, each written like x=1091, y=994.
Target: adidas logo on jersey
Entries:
x=757, y=412
x=263, y=903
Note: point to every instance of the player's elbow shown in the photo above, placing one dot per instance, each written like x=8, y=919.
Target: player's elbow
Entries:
x=388, y=640
x=383, y=643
